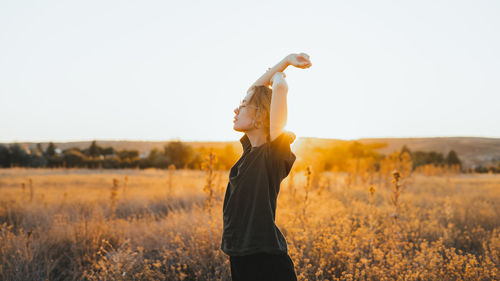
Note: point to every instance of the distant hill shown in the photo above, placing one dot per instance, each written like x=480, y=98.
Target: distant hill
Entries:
x=471, y=150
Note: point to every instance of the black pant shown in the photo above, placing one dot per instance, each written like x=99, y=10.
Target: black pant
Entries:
x=262, y=267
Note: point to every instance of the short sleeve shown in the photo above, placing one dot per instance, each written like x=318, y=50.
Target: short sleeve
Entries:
x=282, y=157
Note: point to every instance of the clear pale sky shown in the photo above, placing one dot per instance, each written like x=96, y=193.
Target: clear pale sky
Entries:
x=162, y=70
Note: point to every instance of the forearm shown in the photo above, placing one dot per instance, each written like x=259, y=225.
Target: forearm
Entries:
x=278, y=112
x=264, y=80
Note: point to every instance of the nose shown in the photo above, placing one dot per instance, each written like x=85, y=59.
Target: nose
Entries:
x=236, y=110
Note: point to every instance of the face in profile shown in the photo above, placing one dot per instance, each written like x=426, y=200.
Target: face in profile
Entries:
x=245, y=113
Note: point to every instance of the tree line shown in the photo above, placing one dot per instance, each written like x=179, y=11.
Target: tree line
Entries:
x=173, y=153
x=420, y=158
x=336, y=157
x=185, y=156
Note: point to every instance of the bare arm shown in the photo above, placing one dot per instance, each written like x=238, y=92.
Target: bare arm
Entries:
x=278, y=114
x=264, y=80
x=298, y=60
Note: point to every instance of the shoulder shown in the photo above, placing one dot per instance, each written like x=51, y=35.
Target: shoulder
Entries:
x=280, y=146
x=281, y=157
x=285, y=137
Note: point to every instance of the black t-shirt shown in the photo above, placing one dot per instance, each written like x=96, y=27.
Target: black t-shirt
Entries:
x=250, y=201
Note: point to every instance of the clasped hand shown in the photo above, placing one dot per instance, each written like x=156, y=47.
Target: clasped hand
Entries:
x=299, y=60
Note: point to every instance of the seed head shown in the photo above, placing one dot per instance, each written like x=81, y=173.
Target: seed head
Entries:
x=396, y=175
x=371, y=189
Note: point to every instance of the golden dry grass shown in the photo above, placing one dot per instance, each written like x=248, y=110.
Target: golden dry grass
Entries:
x=157, y=225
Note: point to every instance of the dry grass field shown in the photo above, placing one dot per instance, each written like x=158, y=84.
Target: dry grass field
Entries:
x=71, y=224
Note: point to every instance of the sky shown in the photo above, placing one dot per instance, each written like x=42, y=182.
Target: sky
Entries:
x=176, y=70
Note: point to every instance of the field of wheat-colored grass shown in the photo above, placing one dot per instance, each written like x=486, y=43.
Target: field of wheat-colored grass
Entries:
x=72, y=224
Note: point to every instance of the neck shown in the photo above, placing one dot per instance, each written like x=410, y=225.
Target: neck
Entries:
x=256, y=137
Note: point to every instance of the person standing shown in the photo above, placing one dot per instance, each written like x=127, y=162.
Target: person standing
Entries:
x=256, y=247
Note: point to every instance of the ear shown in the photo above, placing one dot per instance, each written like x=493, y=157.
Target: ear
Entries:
x=254, y=123
x=259, y=118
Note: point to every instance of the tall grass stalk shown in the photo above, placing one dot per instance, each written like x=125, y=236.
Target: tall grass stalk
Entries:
x=32, y=189
x=307, y=189
x=114, y=196
x=396, y=192
x=209, y=165
x=171, y=172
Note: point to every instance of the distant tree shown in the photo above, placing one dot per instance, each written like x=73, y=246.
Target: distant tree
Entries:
x=94, y=149
x=4, y=156
x=111, y=163
x=128, y=154
x=420, y=158
x=404, y=149
x=39, y=148
x=178, y=153
x=51, y=150
x=154, y=153
x=452, y=159
x=157, y=159
x=36, y=159
x=53, y=160
x=18, y=156
x=436, y=158
x=108, y=150
x=74, y=158
x=161, y=161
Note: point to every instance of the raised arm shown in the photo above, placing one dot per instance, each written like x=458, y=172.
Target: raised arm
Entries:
x=278, y=114
x=298, y=60
x=264, y=80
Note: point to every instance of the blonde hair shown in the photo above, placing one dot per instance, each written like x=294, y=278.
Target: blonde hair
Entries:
x=261, y=98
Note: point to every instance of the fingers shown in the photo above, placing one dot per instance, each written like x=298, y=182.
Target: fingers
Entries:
x=307, y=65
x=302, y=60
x=306, y=56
